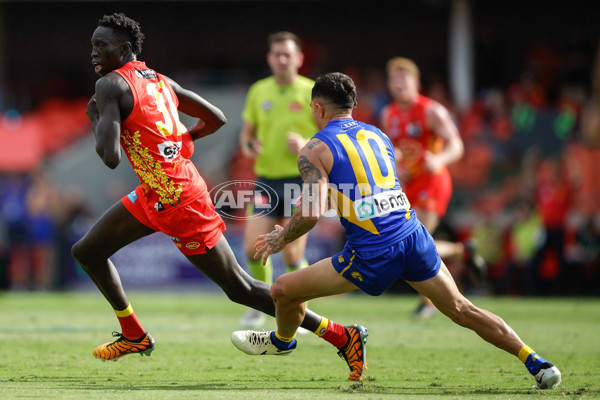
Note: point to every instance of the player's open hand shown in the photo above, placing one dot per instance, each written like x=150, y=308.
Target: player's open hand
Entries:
x=268, y=244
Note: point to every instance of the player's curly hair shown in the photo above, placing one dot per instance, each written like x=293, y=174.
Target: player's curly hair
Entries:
x=127, y=28
x=336, y=87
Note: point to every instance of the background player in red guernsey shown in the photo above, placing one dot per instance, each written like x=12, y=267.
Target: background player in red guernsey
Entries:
x=137, y=108
x=426, y=140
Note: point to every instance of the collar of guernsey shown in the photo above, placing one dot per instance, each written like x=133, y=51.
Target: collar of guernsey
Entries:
x=275, y=111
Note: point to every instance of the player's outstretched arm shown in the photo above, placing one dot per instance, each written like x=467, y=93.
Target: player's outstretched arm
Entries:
x=210, y=117
x=313, y=202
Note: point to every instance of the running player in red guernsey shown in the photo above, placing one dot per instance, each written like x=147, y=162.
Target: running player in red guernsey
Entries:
x=426, y=140
x=136, y=108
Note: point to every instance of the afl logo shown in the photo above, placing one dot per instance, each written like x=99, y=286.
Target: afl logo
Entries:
x=192, y=245
x=231, y=199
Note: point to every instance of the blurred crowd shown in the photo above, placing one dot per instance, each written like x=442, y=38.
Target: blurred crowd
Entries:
x=38, y=226
x=526, y=191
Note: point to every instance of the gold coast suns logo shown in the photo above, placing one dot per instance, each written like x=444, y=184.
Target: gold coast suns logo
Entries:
x=192, y=245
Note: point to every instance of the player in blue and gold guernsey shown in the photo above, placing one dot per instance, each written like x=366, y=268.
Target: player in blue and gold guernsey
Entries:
x=354, y=162
x=364, y=190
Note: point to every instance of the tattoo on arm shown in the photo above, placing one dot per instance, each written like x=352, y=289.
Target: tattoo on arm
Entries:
x=313, y=143
x=275, y=240
x=310, y=173
x=299, y=225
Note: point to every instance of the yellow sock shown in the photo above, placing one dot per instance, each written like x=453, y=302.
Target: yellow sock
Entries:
x=283, y=338
x=524, y=353
x=320, y=331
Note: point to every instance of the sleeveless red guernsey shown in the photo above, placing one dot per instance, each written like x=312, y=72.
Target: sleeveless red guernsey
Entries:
x=152, y=138
x=409, y=132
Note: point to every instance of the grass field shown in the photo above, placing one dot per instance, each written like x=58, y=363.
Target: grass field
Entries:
x=46, y=342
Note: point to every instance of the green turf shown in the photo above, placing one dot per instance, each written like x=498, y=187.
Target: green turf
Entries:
x=46, y=342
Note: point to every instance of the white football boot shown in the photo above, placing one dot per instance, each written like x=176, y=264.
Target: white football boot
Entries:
x=548, y=377
x=258, y=343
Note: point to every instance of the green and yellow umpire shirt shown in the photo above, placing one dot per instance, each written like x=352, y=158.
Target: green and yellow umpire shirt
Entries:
x=276, y=110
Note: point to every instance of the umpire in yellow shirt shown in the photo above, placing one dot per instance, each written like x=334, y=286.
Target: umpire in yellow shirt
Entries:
x=277, y=123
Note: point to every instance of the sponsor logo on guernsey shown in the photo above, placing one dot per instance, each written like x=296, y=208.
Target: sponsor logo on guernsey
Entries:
x=266, y=105
x=169, y=150
x=132, y=196
x=414, y=129
x=380, y=204
x=192, y=245
x=349, y=125
x=145, y=74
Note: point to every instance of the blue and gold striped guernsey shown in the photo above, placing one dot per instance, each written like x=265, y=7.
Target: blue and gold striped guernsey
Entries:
x=364, y=188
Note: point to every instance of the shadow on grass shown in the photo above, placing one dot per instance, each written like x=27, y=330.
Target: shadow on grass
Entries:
x=86, y=383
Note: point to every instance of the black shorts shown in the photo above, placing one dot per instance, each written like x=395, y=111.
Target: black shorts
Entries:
x=275, y=197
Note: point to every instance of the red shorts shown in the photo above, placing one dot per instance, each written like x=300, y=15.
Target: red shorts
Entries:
x=193, y=227
x=430, y=192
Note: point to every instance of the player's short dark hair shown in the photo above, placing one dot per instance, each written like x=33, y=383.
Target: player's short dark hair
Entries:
x=336, y=87
x=282, y=37
x=127, y=28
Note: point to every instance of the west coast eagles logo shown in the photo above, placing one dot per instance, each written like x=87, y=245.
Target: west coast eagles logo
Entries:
x=357, y=276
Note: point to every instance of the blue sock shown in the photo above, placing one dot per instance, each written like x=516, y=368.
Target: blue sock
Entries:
x=534, y=362
x=280, y=344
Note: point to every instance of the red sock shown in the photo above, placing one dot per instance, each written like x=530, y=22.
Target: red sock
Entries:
x=336, y=334
x=130, y=326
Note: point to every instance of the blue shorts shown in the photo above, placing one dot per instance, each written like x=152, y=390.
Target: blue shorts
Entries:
x=270, y=196
x=414, y=258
